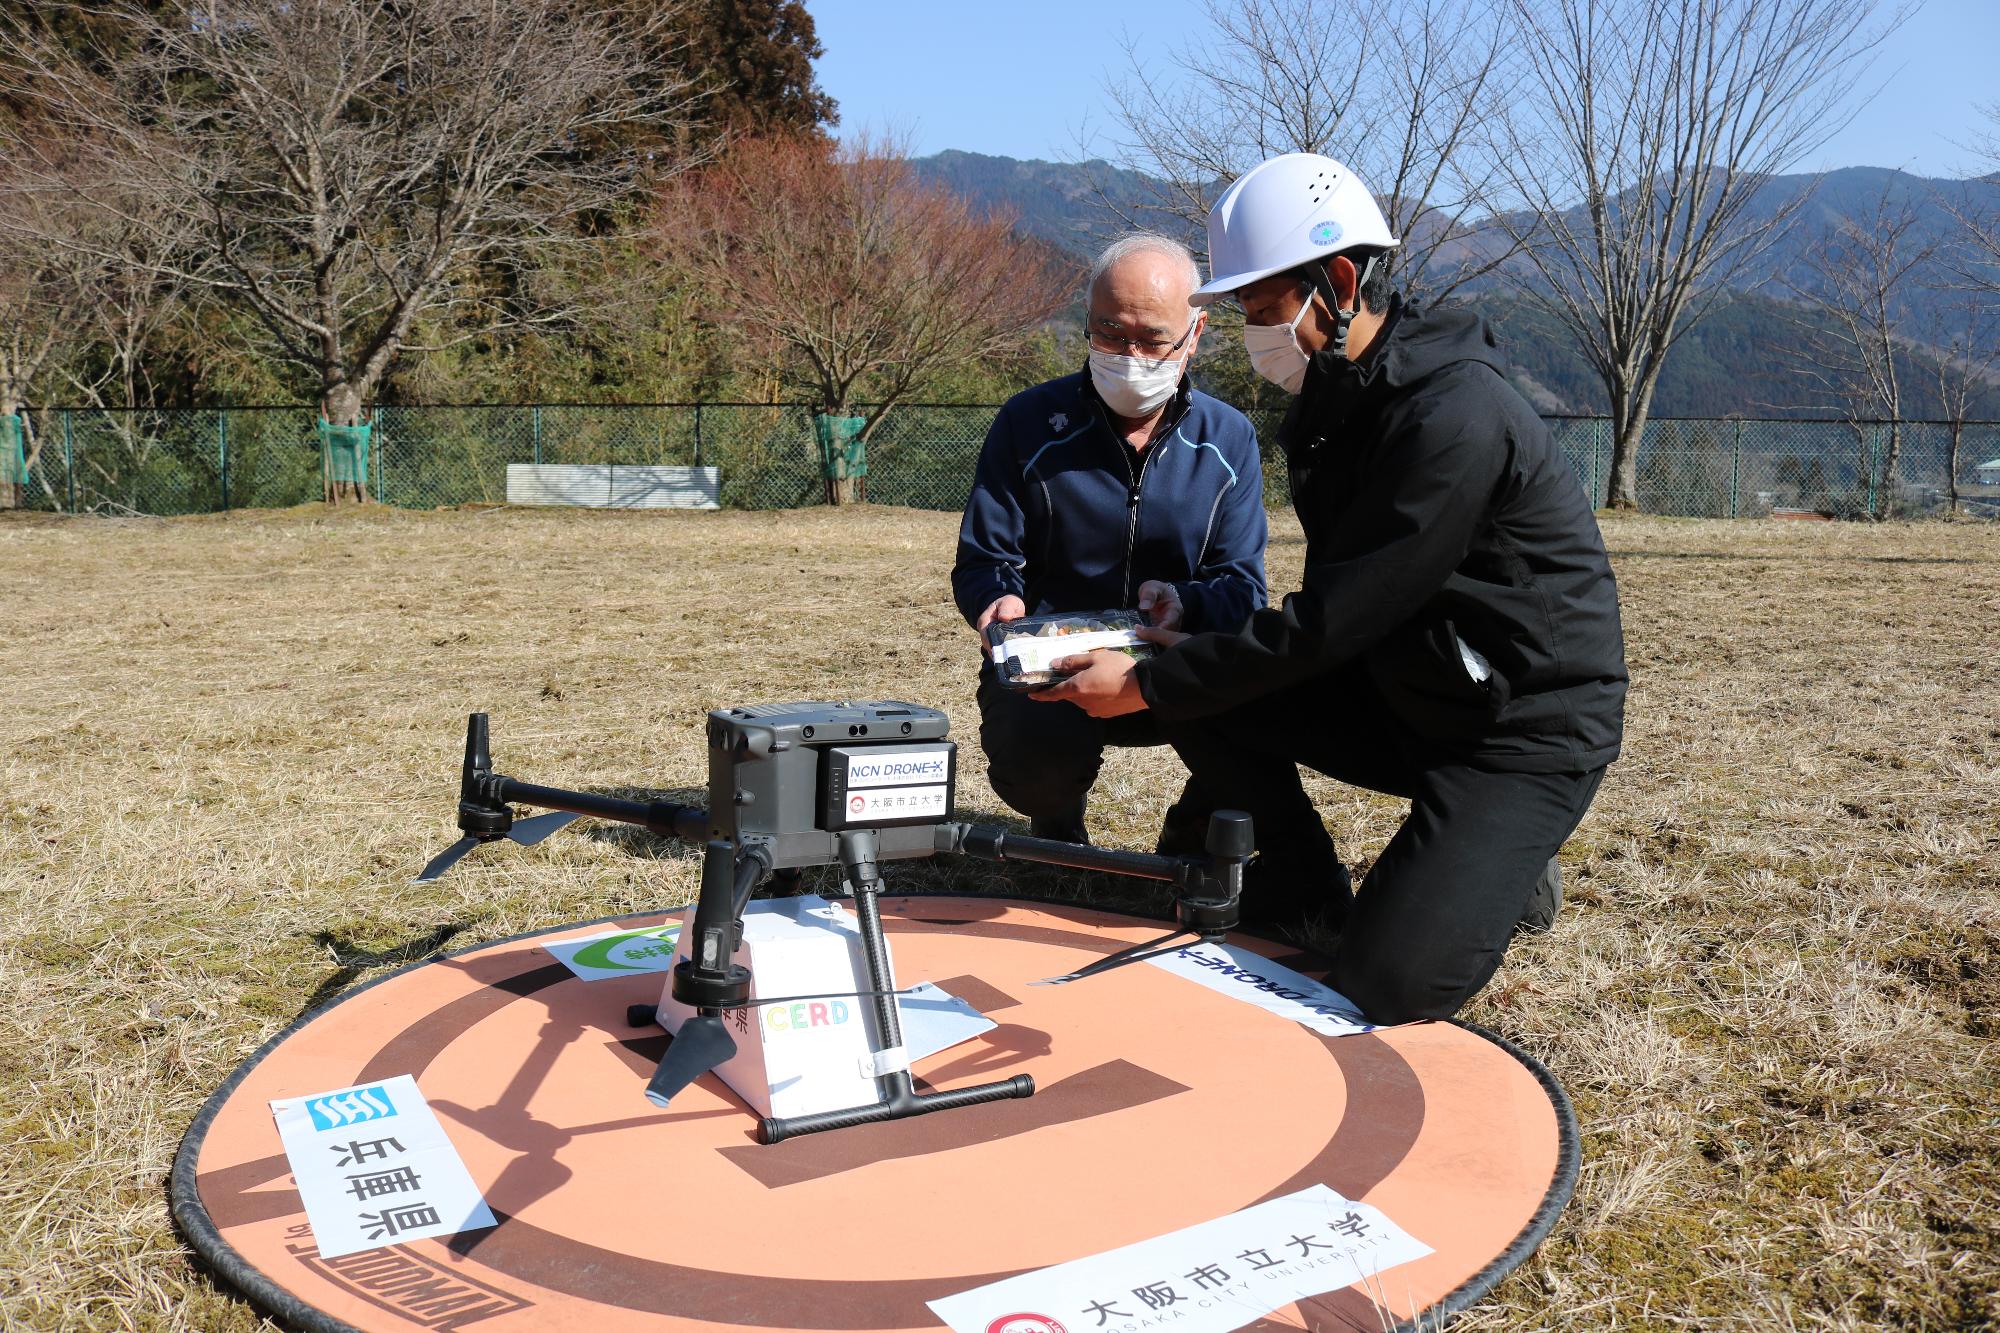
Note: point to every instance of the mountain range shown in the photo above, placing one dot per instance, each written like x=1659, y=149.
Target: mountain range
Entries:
x=1747, y=357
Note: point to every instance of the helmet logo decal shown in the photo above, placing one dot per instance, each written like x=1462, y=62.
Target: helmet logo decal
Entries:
x=1326, y=233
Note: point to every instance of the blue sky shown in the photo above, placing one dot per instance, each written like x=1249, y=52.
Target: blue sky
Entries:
x=1024, y=78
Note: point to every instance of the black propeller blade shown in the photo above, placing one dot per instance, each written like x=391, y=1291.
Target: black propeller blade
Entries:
x=446, y=859
x=527, y=832
x=1137, y=953
x=702, y=1043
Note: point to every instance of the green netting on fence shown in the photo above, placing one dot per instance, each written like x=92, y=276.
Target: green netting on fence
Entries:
x=346, y=451
x=13, y=452
x=842, y=451
x=775, y=456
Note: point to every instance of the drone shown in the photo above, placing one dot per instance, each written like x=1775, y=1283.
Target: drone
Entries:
x=815, y=783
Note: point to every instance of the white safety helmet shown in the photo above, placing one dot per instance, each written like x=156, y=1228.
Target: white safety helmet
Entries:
x=1283, y=213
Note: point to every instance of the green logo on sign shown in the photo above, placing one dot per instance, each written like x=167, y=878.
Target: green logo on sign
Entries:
x=610, y=952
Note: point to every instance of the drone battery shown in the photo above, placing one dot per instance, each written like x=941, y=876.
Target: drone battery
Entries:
x=877, y=786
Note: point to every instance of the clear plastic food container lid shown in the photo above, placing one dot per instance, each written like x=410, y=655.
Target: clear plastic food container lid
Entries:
x=1023, y=650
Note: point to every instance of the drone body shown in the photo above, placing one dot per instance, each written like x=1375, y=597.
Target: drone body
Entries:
x=829, y=783
x=796, y=775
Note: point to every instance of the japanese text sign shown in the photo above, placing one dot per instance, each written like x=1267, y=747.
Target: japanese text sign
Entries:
x=1207, y=1278
x=374, y=1167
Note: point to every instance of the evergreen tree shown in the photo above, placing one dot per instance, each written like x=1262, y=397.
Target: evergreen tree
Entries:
x=757, y=56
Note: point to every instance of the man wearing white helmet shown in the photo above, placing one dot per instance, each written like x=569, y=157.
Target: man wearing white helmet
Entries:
x=1118, y=487
x=1456, y=638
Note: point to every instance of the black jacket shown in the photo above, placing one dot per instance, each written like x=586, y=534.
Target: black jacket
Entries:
x=1437, y=510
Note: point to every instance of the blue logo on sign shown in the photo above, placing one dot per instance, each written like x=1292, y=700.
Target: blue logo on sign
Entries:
x=350, y=1108
x=1326, y=233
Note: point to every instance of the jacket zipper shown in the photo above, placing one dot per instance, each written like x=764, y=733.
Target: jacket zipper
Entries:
x=1138, y=484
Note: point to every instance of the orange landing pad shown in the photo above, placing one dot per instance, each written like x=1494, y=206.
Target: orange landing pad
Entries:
x=1159, y=1104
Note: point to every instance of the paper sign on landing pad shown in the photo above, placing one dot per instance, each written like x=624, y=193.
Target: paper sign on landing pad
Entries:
x=1257, y=980
x=374, y=1167
x=1207, y=1278
x=821, y=1051
x=618, y=953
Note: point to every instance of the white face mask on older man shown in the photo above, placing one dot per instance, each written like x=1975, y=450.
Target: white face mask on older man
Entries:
x=1132, y=386
x=1136, y=386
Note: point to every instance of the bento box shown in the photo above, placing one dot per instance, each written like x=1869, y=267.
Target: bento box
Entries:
x=1024, y=650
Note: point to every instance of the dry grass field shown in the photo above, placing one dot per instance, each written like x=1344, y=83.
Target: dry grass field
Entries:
x=227, y=742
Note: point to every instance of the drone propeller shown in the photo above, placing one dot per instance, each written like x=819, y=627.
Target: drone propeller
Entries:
x=445, y=860
x=702, y=1044
x=1137, y=953
x=527, y=832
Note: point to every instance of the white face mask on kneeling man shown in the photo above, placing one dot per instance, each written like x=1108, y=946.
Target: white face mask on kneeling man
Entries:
x=1275, y=352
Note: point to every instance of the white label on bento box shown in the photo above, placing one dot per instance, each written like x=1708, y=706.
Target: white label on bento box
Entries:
x=1036, y=651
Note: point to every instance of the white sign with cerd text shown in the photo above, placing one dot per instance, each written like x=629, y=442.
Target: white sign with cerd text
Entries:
x=618, y=953
x=374, y=1167
x=1257, y=980
x=1207, y=1278
x=822, y=1050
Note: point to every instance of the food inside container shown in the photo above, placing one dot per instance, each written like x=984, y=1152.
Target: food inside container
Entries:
x=1024, y=650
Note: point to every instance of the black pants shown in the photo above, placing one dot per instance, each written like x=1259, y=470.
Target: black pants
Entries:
x=1428, y=926
x=1041, y=758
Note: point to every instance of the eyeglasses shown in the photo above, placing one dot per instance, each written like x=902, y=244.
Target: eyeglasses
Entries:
x=1152, y=349
x=1268, y=311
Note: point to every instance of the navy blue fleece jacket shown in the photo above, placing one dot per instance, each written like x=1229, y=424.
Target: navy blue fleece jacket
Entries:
x=1066, y=516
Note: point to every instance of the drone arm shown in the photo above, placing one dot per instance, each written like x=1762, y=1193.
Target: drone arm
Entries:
x=707, y=980
x=689, y=822
x=996, y=844
x=485, y=798
x=1207, y=889
x=1199, y=881
x=729, y=875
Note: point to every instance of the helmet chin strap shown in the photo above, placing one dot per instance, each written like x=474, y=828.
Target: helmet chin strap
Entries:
x=1323, y=284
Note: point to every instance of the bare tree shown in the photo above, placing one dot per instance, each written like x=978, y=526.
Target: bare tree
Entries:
x=862, y=280
x=1963, y=334
x=39, y=297
x=1396, y=91
x=1633, y=166
x=355, y=169
x=1979, y=256
x=124, y=248
x=1854, y=296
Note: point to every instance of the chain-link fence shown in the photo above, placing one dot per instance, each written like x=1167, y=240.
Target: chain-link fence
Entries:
x=921, y=455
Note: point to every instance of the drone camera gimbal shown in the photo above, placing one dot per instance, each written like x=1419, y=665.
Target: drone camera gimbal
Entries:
x=848, y=784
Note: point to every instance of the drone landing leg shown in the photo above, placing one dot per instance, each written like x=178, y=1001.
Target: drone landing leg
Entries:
x=900, y=1099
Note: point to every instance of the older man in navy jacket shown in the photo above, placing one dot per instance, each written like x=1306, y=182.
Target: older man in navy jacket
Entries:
x=1119, y=486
